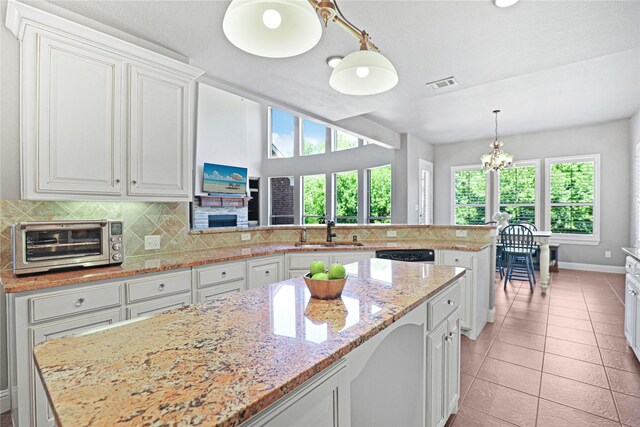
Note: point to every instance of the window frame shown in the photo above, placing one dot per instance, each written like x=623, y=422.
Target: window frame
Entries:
x=368, y=217
x=270, y=200
x=334, y=140
x=452, y=192
x=537, y=205
x=334, y=197
x=328, y=141
x=579, y=239
x=302, y=215
x=296, y=132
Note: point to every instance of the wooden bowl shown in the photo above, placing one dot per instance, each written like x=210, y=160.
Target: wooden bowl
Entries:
x=324, y=289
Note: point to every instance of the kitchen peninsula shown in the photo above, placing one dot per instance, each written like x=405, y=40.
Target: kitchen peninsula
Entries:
x=249, y=353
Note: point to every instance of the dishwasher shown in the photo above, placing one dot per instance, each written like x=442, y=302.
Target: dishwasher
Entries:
x=427, y=256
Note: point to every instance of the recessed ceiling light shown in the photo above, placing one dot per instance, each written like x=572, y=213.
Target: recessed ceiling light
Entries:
x=333, y=61
x=504, y=3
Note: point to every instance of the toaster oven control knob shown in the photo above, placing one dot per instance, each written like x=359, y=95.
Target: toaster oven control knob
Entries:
x=117, y=257
x=117, y=246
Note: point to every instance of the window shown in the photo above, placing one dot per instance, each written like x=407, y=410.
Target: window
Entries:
x=282, y=134
x=281, y=199
x=314, y=138
x=344, y=141
x=572, y=211
x=314, y=193
x=346, y=197
x=379, y=185
x=518, y=189
x=469, y=195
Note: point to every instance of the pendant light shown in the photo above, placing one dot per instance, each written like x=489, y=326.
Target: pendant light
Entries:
x=272, y=28
x=497, y=159
x=285, y=28
x=365, y=72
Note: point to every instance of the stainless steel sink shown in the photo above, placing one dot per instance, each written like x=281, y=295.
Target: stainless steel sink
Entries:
x=327, y=244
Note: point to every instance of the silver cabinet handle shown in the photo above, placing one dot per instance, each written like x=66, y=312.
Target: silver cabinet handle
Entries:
x=452, y=334
x=448, y=339
x=457, y=260
x=266, y=272
x=161, y=287
x=633, y=293
x=79, y=302
x=134, y=182
x=451, y=302
x=117, y=181
x=224, y=273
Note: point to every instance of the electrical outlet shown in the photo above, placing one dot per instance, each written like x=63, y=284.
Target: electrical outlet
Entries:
x=245, y=236
x=461, y=233
x=355, y=237
x=607, y=254
x=151, y=242
x=392, y=233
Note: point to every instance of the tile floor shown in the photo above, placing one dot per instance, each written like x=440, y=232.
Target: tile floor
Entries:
x=558, y=359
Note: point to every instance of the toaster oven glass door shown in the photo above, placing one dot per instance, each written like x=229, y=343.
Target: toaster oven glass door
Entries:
x=58, y=244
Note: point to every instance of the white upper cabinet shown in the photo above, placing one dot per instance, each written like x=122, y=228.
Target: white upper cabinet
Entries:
x=79, y=122
x=101, y=118
x=159, y=158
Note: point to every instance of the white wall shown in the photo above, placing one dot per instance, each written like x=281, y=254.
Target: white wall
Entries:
x=634, y=139
x=229, y=132
x=610, y=139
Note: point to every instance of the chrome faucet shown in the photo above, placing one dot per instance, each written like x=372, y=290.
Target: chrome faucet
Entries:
x=330, y=234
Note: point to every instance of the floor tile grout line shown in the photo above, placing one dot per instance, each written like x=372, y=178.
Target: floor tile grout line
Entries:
x=576, y=409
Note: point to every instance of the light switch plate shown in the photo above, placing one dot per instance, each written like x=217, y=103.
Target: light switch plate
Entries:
x=245, y=236
x=151, y=242
x=392, y=233
x=461, y=233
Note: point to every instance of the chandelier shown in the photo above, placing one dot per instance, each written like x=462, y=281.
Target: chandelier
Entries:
x=497, y=159
x=286, y=28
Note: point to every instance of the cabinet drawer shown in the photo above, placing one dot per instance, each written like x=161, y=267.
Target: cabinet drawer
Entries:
x=457, y=259
x=158, y=286
x=219, y=290
x=297, y=273
x=352, y=256
x=75, y=302
x=158, y=306
x=303, y=261
x=440, y=308
x=208, y=276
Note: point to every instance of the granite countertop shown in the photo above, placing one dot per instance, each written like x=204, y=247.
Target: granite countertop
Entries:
x=221, y=362
x=155, y=263
x=634, y=252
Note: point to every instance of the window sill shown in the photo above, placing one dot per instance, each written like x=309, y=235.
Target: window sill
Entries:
x=575, y=240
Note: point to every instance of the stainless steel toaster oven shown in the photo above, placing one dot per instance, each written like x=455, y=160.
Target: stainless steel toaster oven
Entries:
x=44, y=246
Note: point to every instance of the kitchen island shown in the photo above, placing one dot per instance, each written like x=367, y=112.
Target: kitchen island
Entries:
x=388, y=348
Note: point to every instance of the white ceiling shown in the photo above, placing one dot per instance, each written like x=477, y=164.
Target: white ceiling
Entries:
x=546, y=64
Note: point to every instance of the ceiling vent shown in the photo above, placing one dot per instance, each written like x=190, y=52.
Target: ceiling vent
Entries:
x=446, y=82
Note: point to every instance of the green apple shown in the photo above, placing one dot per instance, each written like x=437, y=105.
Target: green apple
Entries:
x=316, y=267
x=337, y=271
x=320, y=276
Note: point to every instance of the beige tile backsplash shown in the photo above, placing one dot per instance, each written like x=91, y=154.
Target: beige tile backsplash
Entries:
x=170, y=221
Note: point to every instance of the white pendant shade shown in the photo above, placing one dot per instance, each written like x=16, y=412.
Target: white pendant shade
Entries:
x=272, y=28
x=364, y=72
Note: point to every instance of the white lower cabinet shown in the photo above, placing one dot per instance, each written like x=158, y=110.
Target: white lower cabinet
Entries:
x=219, y=279
x=265, y=271
x=297, y=264
x=158, y=306
x=43, y=413
x=474, y=304
x=320, y=402
x=632, y=306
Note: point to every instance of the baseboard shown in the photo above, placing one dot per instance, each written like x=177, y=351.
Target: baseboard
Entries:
x=591, y=267
x=5, y=403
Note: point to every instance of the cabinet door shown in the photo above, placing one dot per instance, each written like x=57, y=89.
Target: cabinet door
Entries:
x=159, y=160
x=636, y=333
x=630, y=311
x=212, y=292
x=43, y=412
x=79, y=122
x=265, y=272
x=452, y=386
x=158, y=306
x=436, y=376
x=349, y=257
x=467, y=302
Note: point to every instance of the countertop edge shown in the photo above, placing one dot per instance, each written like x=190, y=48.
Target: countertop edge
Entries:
x=72, y=277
